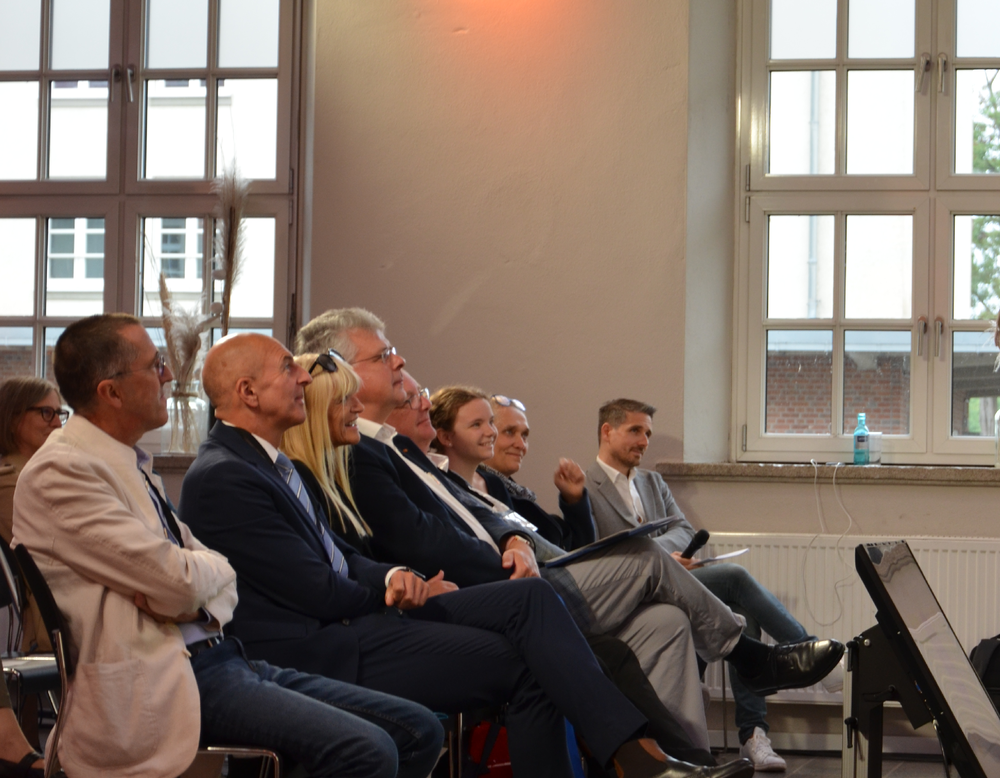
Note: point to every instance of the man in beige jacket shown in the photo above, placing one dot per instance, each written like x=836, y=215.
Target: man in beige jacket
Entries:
x=145, y=602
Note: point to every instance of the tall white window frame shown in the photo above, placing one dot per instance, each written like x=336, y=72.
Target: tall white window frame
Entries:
x=123, y=197
x=932, y=195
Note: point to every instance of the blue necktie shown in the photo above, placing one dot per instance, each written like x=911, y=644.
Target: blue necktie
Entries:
x=287, y=469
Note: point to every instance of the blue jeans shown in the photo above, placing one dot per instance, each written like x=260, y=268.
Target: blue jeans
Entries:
x=740, y=591
x=329, y=727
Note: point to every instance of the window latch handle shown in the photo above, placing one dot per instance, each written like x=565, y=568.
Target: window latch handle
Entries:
x=922, y=68
x=942, y=66
x=921, y=335
x=131, y=78
x=114, y=76
x=938, y=336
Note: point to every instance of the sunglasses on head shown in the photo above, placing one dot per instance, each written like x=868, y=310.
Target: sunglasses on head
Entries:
x=508, y=402
x=327, y=361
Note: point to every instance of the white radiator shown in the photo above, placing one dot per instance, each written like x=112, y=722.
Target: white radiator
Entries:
x=808, y=573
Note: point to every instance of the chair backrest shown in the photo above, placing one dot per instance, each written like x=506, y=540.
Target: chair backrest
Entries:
x=10, y=592
x=51, y=615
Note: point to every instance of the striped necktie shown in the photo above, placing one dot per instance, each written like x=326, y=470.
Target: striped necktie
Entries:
x=291, y=476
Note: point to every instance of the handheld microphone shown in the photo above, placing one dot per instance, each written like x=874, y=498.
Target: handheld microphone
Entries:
x=700, y=539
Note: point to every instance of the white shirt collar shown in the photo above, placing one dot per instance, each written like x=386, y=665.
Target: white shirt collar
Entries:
x=440, y=461
x=614, y=474
x=271, y=450
x=383, y=433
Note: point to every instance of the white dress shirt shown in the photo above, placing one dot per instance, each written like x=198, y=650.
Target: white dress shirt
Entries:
x=627, y=489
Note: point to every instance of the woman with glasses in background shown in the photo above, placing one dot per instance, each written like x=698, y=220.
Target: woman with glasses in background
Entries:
x=30, y=410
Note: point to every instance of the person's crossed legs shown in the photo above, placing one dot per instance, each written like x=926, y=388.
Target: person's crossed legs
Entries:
x=333, y=729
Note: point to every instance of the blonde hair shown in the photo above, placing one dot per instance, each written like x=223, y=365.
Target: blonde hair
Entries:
x=311, y=444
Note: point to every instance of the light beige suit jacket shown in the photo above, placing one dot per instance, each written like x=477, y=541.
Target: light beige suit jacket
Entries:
x=82, y=509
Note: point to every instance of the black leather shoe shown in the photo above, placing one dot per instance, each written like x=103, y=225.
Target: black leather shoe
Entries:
x=795, y=665
x=634, y=761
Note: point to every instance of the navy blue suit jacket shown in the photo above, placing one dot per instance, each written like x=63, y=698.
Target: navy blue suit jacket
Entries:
x=236, y=502
x=412, y=526
x=575, y=528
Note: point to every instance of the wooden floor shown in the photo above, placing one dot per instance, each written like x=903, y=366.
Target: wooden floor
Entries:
x=829, y=767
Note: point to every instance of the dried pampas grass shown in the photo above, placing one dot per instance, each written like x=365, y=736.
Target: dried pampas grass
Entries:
x=232, y=191
x=182, y=330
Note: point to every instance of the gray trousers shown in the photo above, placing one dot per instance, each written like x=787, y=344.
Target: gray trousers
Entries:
x=640, y=594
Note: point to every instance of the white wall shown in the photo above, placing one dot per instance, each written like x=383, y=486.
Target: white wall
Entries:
x=504, y=181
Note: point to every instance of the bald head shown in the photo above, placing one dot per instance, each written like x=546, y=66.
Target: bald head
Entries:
x=232, y=358
x=254, y=384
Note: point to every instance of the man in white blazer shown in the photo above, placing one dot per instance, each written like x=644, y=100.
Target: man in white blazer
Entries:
x=145, y=602
x=624, y=495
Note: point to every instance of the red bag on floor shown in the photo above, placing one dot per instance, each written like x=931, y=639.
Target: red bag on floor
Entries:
x=488, y=753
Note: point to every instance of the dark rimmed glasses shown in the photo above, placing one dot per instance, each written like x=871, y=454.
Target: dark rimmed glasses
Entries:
x=508, y=402
x=327, y=361
x=48, y=414
x=160, y=366
x=383, y=356
x=413, y=401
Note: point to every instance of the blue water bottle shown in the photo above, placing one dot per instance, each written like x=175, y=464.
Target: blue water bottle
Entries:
x=861, y=454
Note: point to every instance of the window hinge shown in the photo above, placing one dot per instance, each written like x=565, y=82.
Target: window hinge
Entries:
x=291, y=211
x=744, y=437
x=746, y=185
x=291, y=180
x=746, y=210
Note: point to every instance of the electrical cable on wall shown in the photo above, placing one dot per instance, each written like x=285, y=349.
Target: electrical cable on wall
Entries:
x=849, y=579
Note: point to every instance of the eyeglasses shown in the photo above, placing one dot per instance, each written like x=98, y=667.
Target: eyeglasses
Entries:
x=48, y=414
x=383, y=355
x=413, y=401
x=160, y=366
x=507, y=402
x=327, y=361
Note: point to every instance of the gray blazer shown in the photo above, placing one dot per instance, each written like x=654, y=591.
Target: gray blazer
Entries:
x=611, y=515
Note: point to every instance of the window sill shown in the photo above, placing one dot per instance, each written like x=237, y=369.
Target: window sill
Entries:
x=173, y=464
x=845, y=474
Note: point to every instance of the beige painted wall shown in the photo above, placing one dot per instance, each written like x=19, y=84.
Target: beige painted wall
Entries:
x=504, y=182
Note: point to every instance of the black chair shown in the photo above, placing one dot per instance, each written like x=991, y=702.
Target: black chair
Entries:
x=56, y=625
x=25, y=674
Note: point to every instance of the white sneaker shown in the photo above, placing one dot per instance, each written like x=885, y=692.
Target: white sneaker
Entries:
x=758, y=750
x=834, y=681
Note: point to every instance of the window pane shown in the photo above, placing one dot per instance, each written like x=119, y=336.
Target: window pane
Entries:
x=80, y=32
x=880, y=122
x=800, y=267
x=880, y=28
x=975, y=386
x=802, y=122
x=20, y=34
x=799, y=382
x=78, y=138
x=17, y=267
x=171, y=245
x=253, y=294
x=177, y=33
x=248, y=126
x=879, y=278
x=976, y=28
x=19, y=130
x=248, y=34
x=175, y=129
x=803, y=30
x=976, y=276
x=69, y=289
x=15, y=352
x=977, y=111
x=877, y=381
